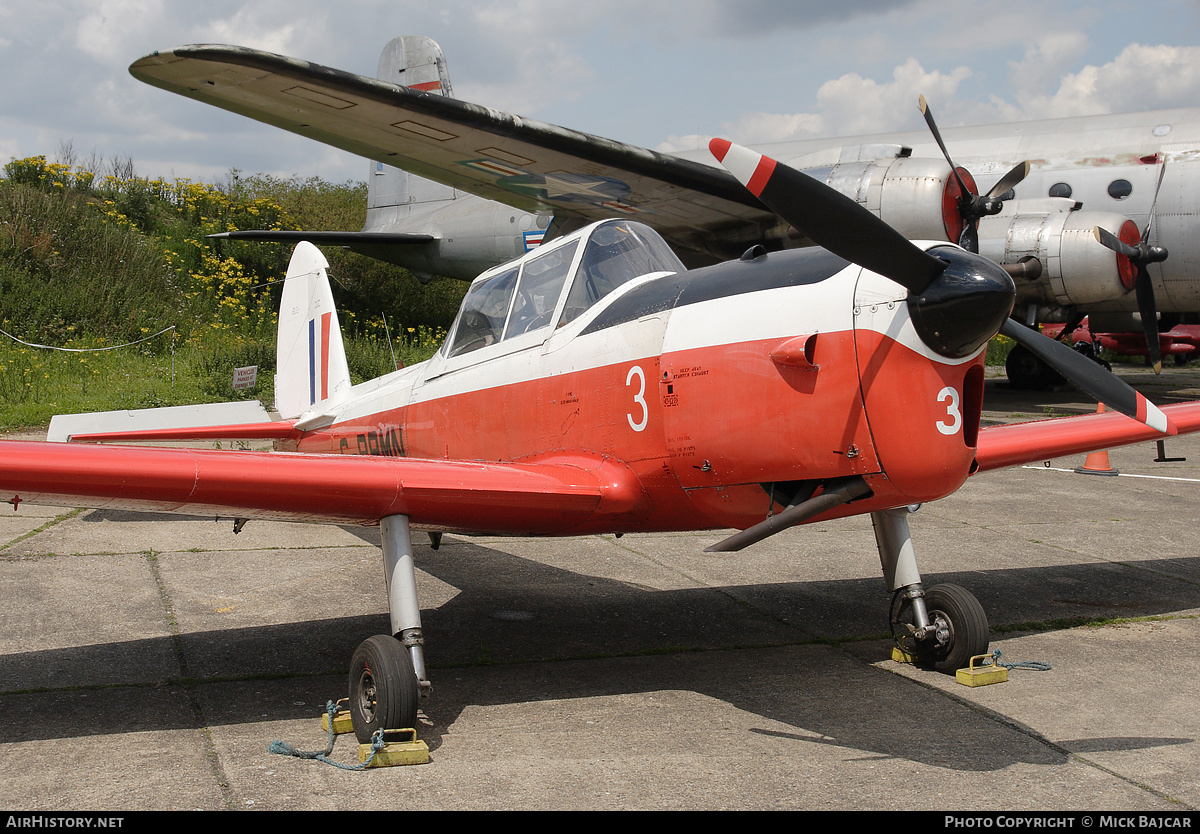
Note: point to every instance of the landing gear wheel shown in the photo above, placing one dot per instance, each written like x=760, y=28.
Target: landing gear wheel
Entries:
x=962, y=629
x=384, y=691
x=1089, y=350
x=1025, y=370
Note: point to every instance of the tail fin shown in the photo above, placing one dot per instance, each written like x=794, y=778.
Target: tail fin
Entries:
x=310, y=357
x=413, y=61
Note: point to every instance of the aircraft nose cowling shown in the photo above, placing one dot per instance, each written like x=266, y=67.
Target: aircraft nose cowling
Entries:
x=964, y=306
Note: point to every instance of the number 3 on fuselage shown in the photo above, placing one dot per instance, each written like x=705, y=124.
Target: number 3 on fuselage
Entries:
x=639, y=399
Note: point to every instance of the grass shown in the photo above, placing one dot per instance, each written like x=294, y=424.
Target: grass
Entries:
x=36, y=384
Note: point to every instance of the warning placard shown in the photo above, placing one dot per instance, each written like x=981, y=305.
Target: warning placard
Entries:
x=245, y=377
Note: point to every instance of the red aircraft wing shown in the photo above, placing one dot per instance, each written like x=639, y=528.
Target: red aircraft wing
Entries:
x=1013, y=445
x=548, y=497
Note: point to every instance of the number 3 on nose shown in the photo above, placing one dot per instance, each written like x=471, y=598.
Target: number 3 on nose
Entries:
x=954, y=419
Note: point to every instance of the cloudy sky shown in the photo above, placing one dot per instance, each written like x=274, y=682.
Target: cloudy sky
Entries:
x=657, y=73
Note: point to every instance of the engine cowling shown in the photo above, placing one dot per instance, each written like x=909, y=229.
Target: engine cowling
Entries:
x=917, y=197
x=1076, y=268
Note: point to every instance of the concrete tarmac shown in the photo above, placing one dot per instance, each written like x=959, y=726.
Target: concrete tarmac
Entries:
x=147, y=662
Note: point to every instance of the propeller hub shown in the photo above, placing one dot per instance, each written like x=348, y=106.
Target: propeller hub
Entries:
x=956, y=200
x=964, y=306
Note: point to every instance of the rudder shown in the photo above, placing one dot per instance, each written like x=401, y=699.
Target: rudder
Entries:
x=310, y=356
x=417, y=62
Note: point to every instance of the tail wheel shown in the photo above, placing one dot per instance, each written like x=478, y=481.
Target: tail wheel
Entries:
x=961, y=629
x=384, y=691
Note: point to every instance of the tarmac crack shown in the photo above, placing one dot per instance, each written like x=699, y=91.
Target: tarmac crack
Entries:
x=51, y=523
x=1058, y=749
x=211, y=756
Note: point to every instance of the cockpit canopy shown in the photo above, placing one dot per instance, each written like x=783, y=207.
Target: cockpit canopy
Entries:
x=527, y=295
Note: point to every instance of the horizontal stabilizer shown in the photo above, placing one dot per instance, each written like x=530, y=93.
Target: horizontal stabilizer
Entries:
x=330, y=238
x=143, y=424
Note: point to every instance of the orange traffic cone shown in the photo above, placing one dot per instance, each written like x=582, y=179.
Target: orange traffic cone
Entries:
x=1097, y=462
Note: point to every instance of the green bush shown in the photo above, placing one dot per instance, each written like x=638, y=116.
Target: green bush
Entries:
x=97, y=261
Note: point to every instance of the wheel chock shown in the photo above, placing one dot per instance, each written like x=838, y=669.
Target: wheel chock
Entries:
x=981, y=675
x=401, y=747
x=341, y=719
x=901, y=656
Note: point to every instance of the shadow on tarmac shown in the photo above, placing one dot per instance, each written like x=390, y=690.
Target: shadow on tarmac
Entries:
x=596, y=637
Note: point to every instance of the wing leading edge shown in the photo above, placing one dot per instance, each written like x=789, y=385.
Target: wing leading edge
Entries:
x=1020, y=443
x=555, y=496
x=522, y=162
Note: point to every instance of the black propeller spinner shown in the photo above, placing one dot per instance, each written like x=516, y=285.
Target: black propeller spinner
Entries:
x=957, y=300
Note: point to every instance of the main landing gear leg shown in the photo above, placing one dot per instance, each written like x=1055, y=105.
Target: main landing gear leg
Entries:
x=387, y=673
x=943, y=627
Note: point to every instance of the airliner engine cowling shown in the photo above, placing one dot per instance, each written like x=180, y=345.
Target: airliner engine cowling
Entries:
x=916, y=197
x=1076, y=268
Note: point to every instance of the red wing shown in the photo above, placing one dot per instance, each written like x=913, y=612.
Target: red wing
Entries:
x=1013, y=445
x=549, y=497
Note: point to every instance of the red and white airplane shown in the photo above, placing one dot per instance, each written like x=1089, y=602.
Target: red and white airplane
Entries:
x=596, y=385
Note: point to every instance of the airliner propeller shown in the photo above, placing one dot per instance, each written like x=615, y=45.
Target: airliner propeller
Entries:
x=957, y=300
x=972, y=206
x=1141, y=255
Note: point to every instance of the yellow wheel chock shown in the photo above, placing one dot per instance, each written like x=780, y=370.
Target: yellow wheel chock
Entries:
x=981, y=675
x=401, y=747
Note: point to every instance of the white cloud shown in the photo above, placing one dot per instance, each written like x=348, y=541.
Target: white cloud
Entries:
x=261, y=27
x=754, y=71
x=529, y=80
x=853, y=104
x=108, y=30
x=1046, y=60
x=1139, y=78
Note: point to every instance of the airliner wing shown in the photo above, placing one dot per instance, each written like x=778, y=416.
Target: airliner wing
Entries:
x=528, y=164
x=546, y=498
x=1019, y=443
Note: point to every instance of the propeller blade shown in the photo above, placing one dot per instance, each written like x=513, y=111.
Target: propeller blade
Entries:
x=1145, y=291
x=1149, y=313
x=830, y=219
x=1009, y=181
x=937, y=137
x=1162, y=170
x=1141, y=256
x=969, y=239
x=1089, y=377
x=1110, y=241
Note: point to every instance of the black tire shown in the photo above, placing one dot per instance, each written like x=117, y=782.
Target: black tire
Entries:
x=969, y=633
x=1024, y=370
x=384, y=691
